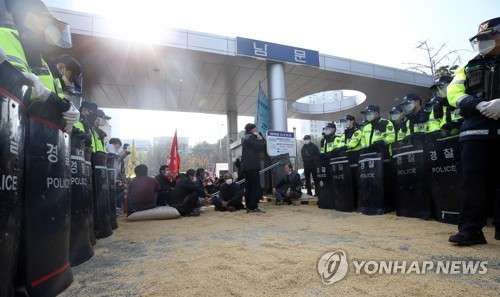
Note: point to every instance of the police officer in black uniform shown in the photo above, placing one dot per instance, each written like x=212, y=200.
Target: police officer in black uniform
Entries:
x=476, y=91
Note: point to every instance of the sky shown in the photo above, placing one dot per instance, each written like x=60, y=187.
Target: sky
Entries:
x=381, y=32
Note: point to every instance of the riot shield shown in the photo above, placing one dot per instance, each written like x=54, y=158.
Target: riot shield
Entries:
x=47, y=204
x=341, y=183
x=411, y=186
x=442, y=158
x=370, y=182
x=89, y=210
x=112, y=190
x=13, y=100
x=80, y=247
x=102, y=220
x=353, y=157
x=324, y=187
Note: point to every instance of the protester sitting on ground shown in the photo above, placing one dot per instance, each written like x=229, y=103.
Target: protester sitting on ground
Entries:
x=201, y=180
x=210, y=185
x=143, y=190
x=185, y=196
x=290, y=187
x=167, y=184
x=230, y=196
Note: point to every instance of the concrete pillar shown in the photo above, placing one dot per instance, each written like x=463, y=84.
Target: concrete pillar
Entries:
x=232, y=135
x=277, y=95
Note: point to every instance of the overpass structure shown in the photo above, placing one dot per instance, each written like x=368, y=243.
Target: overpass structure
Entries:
x=189, y=71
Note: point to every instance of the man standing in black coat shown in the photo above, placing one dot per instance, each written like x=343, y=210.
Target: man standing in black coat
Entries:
x=186, y=193
x=253, y=145
x=310, y=157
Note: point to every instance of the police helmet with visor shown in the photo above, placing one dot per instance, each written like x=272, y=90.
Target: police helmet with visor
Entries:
x=487, y=36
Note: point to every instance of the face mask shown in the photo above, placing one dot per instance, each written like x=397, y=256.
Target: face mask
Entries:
x=370, y=117
x=485, y=46
x=256, y=133
x=395, y=116
x=102, y=122
x=229, y=181
x=193, y=178
x=328, y=131
x=307, y=141
x=209, y=184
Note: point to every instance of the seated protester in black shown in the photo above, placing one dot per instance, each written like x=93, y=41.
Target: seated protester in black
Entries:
x=210, y=186
x=185, y=196
x=289, y=187
x=167, y=184
x=230, y=196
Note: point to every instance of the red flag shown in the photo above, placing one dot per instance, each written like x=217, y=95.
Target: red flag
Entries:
x=175, y=158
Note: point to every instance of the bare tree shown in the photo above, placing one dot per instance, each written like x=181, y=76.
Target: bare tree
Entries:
x=440, y=61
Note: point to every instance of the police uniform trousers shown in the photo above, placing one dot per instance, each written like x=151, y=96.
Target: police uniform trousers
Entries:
x=480, y=183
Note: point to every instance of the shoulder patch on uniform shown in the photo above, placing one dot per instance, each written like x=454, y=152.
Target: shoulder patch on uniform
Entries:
x=390, y=128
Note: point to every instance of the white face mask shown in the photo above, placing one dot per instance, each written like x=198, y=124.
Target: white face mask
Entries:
x=209, y=184
x=485, y=46
x=229, y=181
x=328, y=131
x=395, y=116
x=370, y=117
x=193, y=178
x=307, y=141
x=102, y=122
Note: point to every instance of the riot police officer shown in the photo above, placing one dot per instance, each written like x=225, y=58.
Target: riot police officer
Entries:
x=476, y=91
x=351, y=138
x=443, y=116
x=397, y=119
x=378, y=130
x=417, y=117
x=329, y=140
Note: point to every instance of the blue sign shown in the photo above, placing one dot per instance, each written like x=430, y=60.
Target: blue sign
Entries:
x=278, y=52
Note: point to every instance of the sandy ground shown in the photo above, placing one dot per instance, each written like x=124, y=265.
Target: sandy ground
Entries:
x=277, y=253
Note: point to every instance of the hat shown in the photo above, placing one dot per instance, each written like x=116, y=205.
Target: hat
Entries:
x=412, y=97
x=90, y=105
x=306, y=137
x=101, y=114
x=371, y=108
x=396, y=109
x=442, y=81
x=486, y=27
x=249, y=127
x=349, y=118
x=331, y=125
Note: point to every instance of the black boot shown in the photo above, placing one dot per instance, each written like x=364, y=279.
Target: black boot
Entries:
x=468, y=238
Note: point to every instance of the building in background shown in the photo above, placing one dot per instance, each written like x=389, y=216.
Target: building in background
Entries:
x=311, y=127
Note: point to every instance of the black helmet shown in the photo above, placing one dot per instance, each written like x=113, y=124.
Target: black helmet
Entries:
x=412, y=97
x=442, y=81
x=396, y=109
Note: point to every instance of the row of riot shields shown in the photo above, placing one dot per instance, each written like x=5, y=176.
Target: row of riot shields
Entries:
x=418, y=177
x=56, y=196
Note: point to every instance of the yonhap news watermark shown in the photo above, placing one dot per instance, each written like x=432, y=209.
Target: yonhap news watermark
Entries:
x=334, y=266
